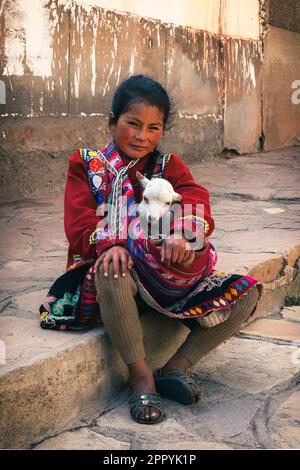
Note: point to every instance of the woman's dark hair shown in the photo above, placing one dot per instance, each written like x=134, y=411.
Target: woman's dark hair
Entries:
x=140, y=89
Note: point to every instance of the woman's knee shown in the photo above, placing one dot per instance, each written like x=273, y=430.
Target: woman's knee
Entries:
x=247, y=304
x=251, y=298
x=113, y=284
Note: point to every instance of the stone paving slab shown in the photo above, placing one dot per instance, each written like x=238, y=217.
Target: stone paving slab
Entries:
x=250, y=365
x=84, y=439
x=236, y=390
x=231, y=409
x=280, y=329
x=253, y=176
x=287, y=437
x=291, y=313
x=289, y=410
x=284, y=423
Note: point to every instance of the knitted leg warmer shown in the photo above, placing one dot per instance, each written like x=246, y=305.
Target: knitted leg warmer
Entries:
x=201, y=341
x=119, y=313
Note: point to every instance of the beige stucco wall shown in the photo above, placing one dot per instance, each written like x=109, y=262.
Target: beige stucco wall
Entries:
x=27, y=22
x=239, y=18
x=60, y=61
x=281, y=116
x=242, y=107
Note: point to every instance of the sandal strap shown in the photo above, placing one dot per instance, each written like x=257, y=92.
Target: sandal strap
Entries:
x=177, y=386
x=176, y=373
x=183, y=377
x=138, y=402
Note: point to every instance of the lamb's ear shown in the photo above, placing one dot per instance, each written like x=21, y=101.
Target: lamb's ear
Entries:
x=177, y=197
x=142, y=179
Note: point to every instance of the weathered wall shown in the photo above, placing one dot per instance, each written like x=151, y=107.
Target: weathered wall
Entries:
x=228, y=17
x=243, y=88
x=281, y=117
x=285, y=14
x=60, y=61
x=281, y=75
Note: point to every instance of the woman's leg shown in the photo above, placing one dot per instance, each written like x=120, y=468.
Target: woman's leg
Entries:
x=120, y=316
x=201, y=341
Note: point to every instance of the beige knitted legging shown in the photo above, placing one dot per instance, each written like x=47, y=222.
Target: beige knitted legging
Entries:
x=120, y=316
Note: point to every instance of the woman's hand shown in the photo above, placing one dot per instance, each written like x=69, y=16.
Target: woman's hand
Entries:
x=177, y=250
x=115, y=254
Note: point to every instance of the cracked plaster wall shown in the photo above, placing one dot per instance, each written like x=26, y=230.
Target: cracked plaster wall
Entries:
x=60, y=61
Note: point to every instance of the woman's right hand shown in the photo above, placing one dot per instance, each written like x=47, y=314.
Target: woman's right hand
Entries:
x=115, y=254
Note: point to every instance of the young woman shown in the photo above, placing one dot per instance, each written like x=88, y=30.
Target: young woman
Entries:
x=116, y=275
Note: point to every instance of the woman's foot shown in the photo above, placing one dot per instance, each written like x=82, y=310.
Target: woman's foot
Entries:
x=176, y=363
x=173, y=383
x=142, y=383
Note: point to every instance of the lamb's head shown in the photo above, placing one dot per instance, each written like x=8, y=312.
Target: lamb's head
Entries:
x=158, y=197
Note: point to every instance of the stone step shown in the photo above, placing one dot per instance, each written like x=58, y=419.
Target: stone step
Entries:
x=54, y=380
x=277, y=329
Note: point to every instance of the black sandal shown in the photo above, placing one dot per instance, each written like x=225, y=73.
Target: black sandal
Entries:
x=138, y=402
x=177, y=386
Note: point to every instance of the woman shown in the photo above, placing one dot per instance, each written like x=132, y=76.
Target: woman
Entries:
x=117, y=274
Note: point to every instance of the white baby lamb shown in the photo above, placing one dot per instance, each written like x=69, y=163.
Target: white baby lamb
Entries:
x=158, y=197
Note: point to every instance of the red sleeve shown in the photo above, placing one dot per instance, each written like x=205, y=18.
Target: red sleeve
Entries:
x=80, y=219
x=192, y=194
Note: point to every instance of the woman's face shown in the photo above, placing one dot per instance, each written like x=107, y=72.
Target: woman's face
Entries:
x=138, y=130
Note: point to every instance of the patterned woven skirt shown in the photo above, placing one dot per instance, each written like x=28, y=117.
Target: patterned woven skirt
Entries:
x=71, y=301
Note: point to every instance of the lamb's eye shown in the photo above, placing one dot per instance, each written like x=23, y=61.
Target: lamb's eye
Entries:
x=146, y=199
x=168, y=203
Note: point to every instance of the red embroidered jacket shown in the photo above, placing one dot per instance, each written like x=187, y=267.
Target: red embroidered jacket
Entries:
x=80, y=219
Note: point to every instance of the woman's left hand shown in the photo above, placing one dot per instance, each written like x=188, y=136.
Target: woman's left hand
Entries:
x=176, y=250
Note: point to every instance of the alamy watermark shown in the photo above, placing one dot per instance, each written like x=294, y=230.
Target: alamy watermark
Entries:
x=296, y=93
x=295, y=357
x=185, y=220
x=2, y=92
x=2, y=352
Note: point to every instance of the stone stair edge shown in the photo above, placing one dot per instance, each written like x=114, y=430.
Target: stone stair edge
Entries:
x=280, y=261
x=81, y=337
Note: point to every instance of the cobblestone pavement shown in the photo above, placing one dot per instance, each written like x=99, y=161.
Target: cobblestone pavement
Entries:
x=250, y=384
